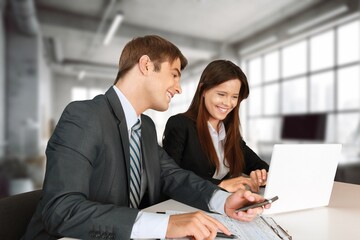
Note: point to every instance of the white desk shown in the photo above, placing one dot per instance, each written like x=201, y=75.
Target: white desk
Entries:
x=340, y=220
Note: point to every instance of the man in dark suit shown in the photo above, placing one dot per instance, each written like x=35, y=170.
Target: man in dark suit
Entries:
x=86, y=192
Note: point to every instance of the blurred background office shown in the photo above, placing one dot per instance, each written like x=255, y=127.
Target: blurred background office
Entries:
x=302, y=59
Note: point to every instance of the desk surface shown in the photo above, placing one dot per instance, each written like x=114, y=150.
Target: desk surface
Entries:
x=339, y=220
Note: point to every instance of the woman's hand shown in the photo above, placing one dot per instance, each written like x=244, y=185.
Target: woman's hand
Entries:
x=259, y=177
x=234, y=184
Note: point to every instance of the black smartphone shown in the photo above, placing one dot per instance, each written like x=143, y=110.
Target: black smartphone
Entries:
x=259, y=204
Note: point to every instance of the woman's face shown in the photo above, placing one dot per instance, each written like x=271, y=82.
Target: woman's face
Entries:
x=221, y=100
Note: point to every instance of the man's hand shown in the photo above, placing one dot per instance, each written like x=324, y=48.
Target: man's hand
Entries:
x=239, y=199
x=197, y=225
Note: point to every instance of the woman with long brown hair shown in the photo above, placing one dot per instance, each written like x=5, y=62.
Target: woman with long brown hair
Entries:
x=206, y=139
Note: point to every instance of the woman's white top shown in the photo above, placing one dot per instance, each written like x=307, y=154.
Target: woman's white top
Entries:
x=218, y=139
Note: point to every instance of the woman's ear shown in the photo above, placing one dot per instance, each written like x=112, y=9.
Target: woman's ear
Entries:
x=144, y=64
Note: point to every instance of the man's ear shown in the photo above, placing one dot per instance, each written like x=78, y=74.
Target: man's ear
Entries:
x=144, y=64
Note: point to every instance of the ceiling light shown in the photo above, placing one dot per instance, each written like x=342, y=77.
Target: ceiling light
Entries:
x=81, y=75
x=318, y=19
x=259, y=44
x=119, y=17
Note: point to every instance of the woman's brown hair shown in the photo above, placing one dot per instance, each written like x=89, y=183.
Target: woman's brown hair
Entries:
x=215, y=73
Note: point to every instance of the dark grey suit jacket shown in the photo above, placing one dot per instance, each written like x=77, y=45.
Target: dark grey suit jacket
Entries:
x=85, y=192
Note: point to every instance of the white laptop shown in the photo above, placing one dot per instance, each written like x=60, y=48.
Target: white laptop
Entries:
x=301, y=175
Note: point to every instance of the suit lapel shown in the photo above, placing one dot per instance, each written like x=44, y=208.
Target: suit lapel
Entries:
x=118, y=111
x=151, y=165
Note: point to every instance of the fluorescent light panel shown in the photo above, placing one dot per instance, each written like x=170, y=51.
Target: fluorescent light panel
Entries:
x=114, y=26
x=81, y=75
x=259, y=44
x=318, y=19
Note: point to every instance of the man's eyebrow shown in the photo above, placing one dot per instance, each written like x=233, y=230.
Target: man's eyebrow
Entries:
x=178, y=71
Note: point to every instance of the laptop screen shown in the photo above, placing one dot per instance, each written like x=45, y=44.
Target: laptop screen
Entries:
x=298, y=171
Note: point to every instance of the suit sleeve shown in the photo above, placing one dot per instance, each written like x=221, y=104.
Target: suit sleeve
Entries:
x=183, y=185
x=174, y=139
x=180, y=184
x=252, y=160
x=67, y=209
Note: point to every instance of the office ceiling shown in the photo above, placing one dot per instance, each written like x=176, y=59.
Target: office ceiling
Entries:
x=73, y=30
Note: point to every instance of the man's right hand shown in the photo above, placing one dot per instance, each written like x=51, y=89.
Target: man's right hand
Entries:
x=198, y=225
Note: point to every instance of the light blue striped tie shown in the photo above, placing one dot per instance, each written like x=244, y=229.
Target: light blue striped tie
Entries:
x=135, y=165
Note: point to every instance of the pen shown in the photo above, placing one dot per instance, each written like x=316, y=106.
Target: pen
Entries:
x=223, y=235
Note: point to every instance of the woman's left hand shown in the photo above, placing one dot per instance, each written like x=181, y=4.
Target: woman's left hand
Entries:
x=234, y=184
x=259, y=176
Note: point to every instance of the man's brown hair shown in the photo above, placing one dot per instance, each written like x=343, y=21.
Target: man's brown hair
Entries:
x=158, y=49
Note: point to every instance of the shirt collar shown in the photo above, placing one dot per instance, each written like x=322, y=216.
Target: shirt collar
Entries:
x=222, y=133
x=129, y=111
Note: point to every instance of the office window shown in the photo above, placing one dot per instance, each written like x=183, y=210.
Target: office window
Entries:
x=253, y=130
x=294, y=59
x=255, y=102
x=322, y=92
x=271, y=66
x=83, y=93
x=78, y=93
x=93, y=92
x=348, y=43
x=320, y=73
x=331, y=128
x=322, y=51
x=188, y=90
x=265, y=129
x=254, y=76
x=348, y=88
x=271, y=99
x=294, y=96
x=351, y=121
x=243, y=66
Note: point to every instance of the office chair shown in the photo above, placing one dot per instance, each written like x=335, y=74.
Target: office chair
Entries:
x=16, y=212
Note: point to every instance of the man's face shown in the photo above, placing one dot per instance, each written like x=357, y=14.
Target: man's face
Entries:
x=164, y=84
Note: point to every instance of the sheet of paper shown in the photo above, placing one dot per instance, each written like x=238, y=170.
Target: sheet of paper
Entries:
x=254, y=230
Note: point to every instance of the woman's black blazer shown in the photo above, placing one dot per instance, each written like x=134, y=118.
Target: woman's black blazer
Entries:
x=181, y=142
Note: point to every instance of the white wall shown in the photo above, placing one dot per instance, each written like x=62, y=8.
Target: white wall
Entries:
x=22, y=93
x=45, y=100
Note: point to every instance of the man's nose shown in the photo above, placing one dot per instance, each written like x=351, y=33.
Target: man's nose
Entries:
x=178, y=89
